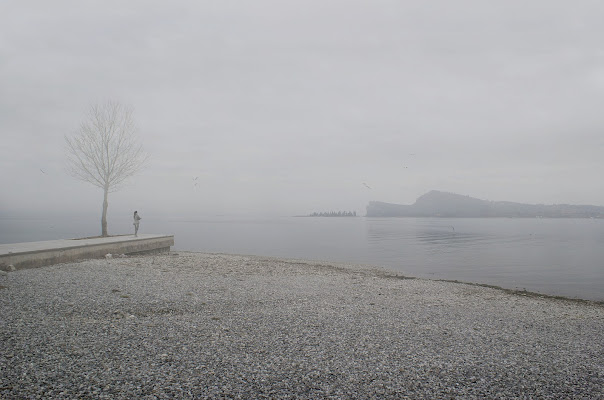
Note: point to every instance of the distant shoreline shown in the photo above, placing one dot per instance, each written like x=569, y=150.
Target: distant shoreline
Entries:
x=451, y=205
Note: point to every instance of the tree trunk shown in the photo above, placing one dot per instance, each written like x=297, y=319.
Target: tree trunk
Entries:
x=104, y=217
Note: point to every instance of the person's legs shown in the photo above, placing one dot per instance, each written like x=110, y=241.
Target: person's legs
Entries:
x=135, y=229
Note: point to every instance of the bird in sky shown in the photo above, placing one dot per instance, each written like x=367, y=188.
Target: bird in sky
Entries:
x=366, y=185
x=42, y=171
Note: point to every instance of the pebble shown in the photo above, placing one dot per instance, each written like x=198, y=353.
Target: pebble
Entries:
x=193, y=325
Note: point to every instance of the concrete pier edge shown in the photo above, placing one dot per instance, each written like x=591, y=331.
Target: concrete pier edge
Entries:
x=40, y=254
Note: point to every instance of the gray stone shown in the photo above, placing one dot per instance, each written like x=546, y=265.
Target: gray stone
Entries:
x=225, y=326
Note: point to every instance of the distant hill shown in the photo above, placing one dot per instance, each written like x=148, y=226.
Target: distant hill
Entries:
x=442, y=204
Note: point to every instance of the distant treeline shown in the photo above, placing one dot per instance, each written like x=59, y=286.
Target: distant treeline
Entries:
x=334, y=214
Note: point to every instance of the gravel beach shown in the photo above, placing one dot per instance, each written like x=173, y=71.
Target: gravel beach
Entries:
x=193, y=325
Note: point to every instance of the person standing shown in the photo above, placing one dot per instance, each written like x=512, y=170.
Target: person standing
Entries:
x=137, y=218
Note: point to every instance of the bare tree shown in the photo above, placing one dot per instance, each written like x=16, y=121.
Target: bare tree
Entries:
x=105, y=150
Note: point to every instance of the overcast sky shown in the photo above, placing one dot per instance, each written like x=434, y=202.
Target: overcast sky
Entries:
x=288, y=107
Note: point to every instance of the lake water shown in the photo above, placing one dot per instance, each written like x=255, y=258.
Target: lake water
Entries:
x=552, y=256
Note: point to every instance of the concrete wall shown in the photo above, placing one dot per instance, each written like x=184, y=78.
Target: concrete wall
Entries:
x=39, y=258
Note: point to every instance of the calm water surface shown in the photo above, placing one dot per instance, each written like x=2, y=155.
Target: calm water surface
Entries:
x=552, y=256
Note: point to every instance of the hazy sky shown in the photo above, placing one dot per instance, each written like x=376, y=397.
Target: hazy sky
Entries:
x=289, y=106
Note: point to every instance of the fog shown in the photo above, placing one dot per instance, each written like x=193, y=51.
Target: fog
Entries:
x=287, y=108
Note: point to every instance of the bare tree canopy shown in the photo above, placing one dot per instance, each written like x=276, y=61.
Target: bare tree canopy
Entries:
x=105, y=150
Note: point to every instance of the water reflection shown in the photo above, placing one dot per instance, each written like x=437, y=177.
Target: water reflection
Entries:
x=552, y=256
x=434, y=237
